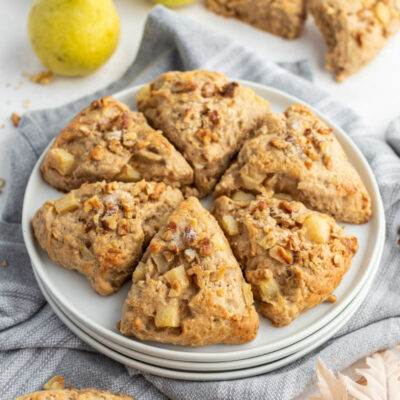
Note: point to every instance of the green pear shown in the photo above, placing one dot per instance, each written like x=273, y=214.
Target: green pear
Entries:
x=73, y=37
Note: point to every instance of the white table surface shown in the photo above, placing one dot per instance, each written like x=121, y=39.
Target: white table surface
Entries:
x=374, y=92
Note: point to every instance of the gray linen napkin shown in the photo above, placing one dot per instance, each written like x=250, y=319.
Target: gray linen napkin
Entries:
x=35, y=345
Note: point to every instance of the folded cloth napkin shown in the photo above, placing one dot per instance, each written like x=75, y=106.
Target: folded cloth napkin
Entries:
x=35, y=345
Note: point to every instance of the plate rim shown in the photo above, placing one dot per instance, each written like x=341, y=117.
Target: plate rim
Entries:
x=195, y=375
x=145, y=347
x=328, y=331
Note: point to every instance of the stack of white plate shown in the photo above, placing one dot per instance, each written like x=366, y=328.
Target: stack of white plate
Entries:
x=94, y=318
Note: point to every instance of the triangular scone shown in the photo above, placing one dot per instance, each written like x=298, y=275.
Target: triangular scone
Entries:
x=206, y=117
x=188, y=288
x=298, y=155
x=107, y=141
x=355, y=31
x=101, y=228
x=280, y=17
x=74, y=394
x=293, y=257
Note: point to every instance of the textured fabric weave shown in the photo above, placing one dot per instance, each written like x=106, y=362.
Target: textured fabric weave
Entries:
x=35, y=345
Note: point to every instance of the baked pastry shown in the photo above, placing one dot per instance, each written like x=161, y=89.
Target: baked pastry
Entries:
x=107, y=141
x=293, y=257
x=296, y=154
x=206, y=117
x=188, y=288
x=74, y=394
x=354, y=31
x=55, y=390
x=281, y=17
x=101, y=228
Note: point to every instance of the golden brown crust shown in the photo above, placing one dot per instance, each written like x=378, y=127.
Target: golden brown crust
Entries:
x=297, y=154
x=206, y=117
x=101, y=228
x=74, y=394
x=281, y=17
x=189, y=289
x=107, y=141
x=293, y=257
x=355, y=31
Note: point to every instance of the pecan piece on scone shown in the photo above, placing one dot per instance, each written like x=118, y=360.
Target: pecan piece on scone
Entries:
x=101, y=228
x=291, y=267
x=188, y=288
x=295, y=154
x=206, y=117
x=109, y=141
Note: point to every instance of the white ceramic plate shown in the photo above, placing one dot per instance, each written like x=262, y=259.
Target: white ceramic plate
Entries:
x=74, y=293
x=173, y=371
x=324, y=333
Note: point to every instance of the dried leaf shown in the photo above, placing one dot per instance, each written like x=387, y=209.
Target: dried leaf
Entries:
x=380, y=381
x=382, y=378
x=329, y=386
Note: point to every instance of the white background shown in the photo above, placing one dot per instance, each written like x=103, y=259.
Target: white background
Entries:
x=374, y=92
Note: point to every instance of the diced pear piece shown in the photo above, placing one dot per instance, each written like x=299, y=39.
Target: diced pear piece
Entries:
x=268, y=290
x=128, y=174
x=251, y=178
x=177, y=274
x=66, y=203
x=167, y=316
x=243, y=196
x=317, y=228
x=247, y=294
x=61, y=160
x=139, y=273
x=230, y=225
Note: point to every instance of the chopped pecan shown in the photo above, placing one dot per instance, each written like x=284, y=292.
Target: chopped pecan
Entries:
x=278, y=143
x=110, y=223
x=262, y=205
x=126, y=121
x=280, y=254
x=214, y=117
x=158, y=190
x=206, y=247
x=97, y=153
x=155, y=247
x=208, y=89
x=206, y=136
x=184, y=86
x=123, y=228
x=88, y=227
x=228, y=89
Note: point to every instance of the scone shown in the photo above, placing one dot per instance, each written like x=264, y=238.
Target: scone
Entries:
x=101, y=228
x=107, y=141
x=74, y=394
x=281, y=17
x=355, y=31
x=206, y=117
x=293, y=257
x=296, y=154
x=188, y=288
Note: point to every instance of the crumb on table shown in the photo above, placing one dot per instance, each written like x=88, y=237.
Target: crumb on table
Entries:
x=4, y=263
x=15, y=118
x=42, y=78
